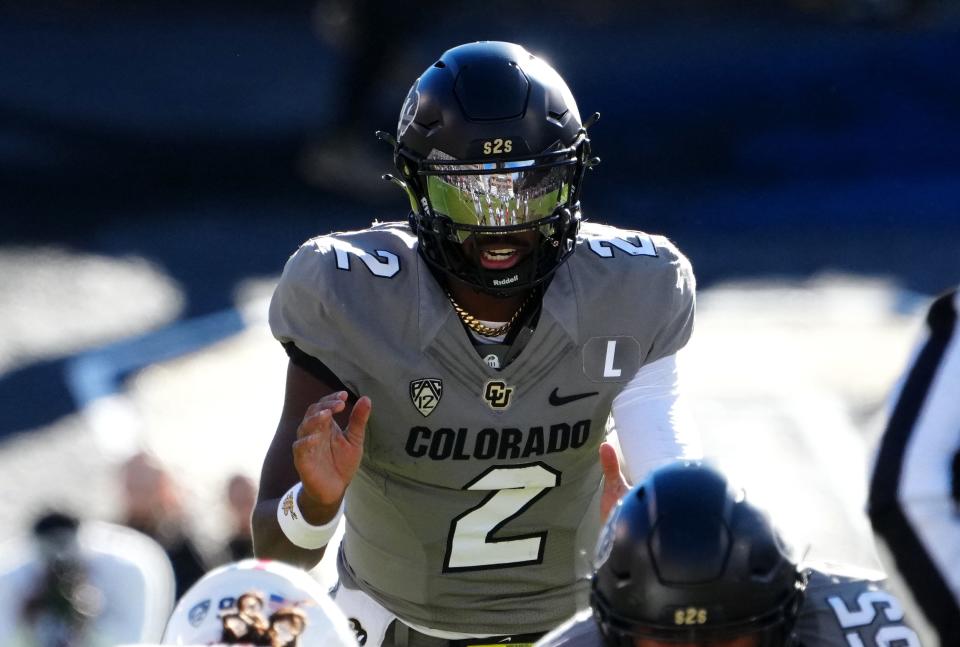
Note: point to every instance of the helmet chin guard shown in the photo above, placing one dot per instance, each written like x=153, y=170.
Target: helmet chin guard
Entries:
x=490, y=146
x=553, y=244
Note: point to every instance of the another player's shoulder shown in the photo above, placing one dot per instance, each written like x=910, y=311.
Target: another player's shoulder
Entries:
x=827, y=582
x=830, y=574
x=581, y=631
x=845, y=605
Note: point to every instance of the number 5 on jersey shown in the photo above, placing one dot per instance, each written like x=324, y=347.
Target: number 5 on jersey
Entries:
x=472, y=545
x=861, y=614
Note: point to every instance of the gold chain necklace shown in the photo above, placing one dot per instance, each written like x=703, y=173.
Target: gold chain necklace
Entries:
x=474, y=324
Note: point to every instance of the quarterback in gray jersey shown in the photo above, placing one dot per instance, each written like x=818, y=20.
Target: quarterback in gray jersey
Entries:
x=686, y=561
x=451, y=377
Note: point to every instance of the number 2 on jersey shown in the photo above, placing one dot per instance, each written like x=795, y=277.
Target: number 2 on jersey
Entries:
x=471, y=544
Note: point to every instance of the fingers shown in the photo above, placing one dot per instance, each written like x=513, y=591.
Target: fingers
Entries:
x=319, y=415
x=614, y=485
x=610, y=463
x=357, y=427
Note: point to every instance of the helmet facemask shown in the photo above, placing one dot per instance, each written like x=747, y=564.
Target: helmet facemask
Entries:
x=468, y=206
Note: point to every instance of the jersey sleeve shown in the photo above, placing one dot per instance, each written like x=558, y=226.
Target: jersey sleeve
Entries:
x=653, y=422
x=679, y=283
x=297, y=308
x=303, y=312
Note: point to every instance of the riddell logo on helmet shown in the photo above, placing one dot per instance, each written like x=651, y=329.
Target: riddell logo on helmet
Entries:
x=507, y=281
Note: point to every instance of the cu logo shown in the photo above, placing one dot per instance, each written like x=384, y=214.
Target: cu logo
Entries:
x=497, y=394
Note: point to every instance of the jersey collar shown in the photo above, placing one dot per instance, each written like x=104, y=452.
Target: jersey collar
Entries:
x=559, y=302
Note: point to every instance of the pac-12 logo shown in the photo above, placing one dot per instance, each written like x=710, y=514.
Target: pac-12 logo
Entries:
x=497, y=394
x=425, y=394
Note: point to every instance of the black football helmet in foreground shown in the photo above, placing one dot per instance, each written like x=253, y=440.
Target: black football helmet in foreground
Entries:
x=684, y=558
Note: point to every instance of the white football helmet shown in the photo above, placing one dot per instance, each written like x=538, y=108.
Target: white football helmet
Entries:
x=258, y=602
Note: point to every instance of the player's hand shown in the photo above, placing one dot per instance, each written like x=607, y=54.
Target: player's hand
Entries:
x=326, y=456
x=614, y=484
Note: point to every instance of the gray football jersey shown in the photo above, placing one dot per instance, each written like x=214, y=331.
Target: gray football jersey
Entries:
x=838, y=611
x=476, y=506
x=846, y=607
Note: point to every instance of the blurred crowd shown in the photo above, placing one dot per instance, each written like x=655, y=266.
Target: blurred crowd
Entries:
x=85, y=582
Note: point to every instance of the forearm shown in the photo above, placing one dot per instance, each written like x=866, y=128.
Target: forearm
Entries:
x=302, y=482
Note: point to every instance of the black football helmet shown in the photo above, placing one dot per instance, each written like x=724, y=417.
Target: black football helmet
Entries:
x=490, y=143
x=684, y=558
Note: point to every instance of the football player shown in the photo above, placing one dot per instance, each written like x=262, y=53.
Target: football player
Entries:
x=495, y=335
x=687, y=561
x=915, y=486
x=257, y=602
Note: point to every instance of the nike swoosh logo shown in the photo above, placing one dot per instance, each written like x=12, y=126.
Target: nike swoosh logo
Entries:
x=557, y=400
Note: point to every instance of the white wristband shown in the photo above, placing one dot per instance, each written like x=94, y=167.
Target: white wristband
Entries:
x=295, y=527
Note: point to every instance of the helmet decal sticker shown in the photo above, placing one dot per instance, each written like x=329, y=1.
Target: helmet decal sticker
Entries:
x=409, y=110
x=198, y=612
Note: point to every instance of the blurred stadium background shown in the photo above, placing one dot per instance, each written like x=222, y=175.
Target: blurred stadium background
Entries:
x=160, y=160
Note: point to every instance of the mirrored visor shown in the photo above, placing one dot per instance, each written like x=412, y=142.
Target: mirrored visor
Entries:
x=499, y=194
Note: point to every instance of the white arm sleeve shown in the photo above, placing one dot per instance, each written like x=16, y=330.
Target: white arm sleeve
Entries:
x=653, y=425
